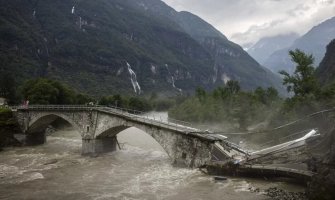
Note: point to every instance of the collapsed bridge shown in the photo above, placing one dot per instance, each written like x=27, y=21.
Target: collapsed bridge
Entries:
x=186, y=146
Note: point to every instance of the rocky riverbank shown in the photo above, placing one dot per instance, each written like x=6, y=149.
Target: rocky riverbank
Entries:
x=279, y=194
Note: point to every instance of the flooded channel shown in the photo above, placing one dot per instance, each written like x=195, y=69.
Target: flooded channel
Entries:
x=140, y=170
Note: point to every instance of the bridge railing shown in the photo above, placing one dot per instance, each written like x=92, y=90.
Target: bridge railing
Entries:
x=159, y=118
x=152, y=119
x=53, y=107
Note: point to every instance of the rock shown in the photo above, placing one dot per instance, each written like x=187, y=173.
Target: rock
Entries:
x=52, y=161
x=322, y=184
x=279, y=194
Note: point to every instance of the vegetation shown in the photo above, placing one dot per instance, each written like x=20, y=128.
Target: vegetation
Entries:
x=303, y=83
x=8, y=87
x=45, y=91
x=8, y=127
x=229, y=105
x=137, y=103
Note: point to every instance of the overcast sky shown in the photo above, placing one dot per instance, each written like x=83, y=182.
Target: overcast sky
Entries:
x=246, y=21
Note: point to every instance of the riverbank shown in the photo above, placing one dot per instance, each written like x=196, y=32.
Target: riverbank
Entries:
x=8, y=127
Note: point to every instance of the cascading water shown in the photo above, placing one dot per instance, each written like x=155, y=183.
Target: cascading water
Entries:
x=73, y=9
x=172, y=79
x=133, y=79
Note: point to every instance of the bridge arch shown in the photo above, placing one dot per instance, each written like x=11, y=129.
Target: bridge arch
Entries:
x=41, y=121
x=165, y=139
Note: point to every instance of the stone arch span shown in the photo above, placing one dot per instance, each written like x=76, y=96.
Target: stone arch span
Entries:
x=41, y=121
x=165, y=139
x=37, y=123
x=181, y=148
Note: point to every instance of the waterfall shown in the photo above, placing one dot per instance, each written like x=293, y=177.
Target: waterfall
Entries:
x=173, y=85
x=172, y=79
x=133, y=79
x=72, y=10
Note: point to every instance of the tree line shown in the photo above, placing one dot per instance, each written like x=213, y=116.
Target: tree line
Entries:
x=229, y=106
x=44, y=91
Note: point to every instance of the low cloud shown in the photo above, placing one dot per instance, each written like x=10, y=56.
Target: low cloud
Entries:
x=246, y=21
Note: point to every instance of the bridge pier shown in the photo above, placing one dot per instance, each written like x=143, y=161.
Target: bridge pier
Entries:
x=36, y=138
x=99, y=145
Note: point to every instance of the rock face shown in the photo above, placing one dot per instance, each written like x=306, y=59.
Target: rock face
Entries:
x=326, y=70
x=323, y=184
x=104, y=47
x=231, y=62
x=313, y=42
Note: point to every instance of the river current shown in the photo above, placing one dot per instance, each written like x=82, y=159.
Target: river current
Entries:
x=141, y=170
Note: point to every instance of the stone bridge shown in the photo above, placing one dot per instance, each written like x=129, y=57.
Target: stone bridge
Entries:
x=186, y=146
x=99, y=126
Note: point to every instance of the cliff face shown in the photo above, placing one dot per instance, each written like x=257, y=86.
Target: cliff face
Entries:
x=322, y=159
x=323, y=184
x=326, y=70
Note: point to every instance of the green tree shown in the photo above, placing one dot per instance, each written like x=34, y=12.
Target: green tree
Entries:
x=233, y=87
x=261, y=95
x=45, y=91
x=81, y=99
x=200, y=94
x=8, y=87
x=139, y=104
x=40, y=91
x=114, y=100
x=303, y=82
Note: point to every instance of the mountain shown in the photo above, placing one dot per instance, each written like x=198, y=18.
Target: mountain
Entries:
x=120, y=46
x=313, y=42
x=268, y=45
x=326, y=70
x=230, y=60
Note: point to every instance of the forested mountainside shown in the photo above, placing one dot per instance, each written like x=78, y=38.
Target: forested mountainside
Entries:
x=121, y=46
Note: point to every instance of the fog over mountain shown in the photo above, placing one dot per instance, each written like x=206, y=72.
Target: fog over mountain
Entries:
x=268, y=45
x=313, y=42
x=246, y=22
